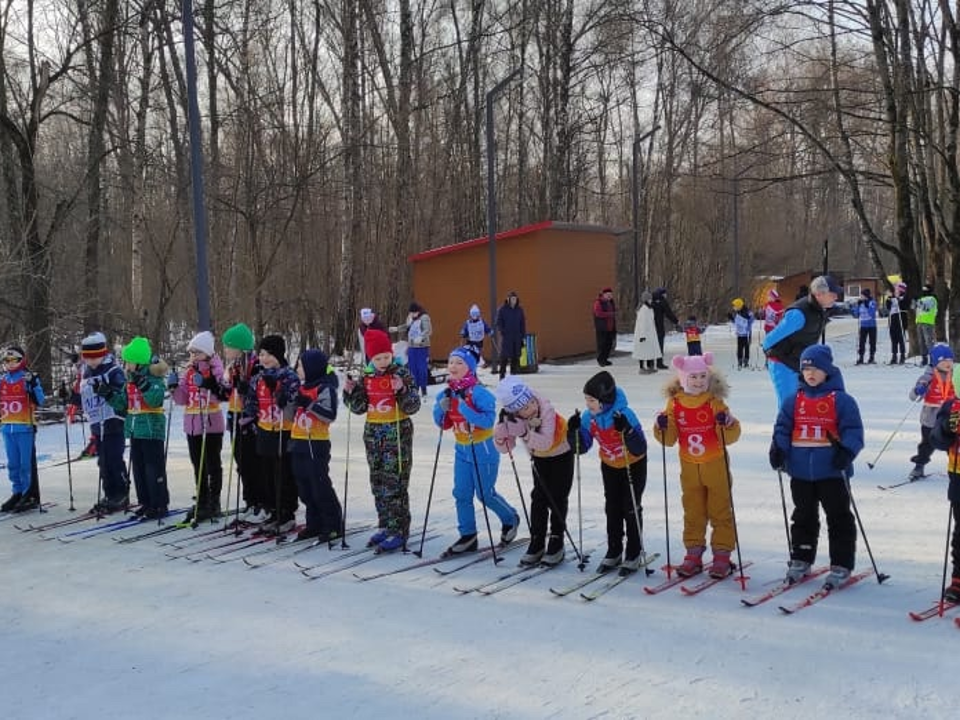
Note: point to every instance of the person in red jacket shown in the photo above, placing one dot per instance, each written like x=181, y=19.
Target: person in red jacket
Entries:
x=605, y=325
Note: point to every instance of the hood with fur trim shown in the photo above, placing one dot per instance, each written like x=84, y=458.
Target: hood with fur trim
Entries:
x=718, y=387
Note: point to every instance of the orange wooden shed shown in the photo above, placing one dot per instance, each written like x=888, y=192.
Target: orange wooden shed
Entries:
x=557, y=270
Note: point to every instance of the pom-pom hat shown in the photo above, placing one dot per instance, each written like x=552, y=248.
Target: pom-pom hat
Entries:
x=94, y=345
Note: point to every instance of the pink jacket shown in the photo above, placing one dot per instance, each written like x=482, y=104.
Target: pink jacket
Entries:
x=542, y=440
x=203, y=407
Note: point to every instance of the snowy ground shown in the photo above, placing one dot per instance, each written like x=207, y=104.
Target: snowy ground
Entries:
x=95, y=629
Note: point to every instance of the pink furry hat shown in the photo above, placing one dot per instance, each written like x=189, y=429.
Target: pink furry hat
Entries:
x=687, y=364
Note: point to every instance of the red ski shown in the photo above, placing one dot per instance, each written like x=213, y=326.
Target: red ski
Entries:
x=781, y=588
x=824, y=592
x=669, y=583
x=711, y=581
x=932, y=611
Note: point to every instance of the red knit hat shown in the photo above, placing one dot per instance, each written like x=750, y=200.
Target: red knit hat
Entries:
x=376, y=342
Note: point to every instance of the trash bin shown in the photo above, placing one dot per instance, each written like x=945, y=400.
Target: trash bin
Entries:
x=528, y=354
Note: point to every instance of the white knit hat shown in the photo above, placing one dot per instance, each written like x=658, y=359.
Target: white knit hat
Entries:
x=203, y=342
x=513, y=393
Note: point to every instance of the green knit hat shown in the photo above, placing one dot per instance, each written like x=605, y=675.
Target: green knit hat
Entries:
x=137, y=351
x=238, y=337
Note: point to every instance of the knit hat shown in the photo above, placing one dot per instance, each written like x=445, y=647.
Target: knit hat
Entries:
x=513, y=394
x=737, y=303
x=474, y=311
x=13, y=351
x=773, y=294
x=940, y=351
x=468, y=357
x=376, y=342
x=366, y=315
x=646, y=296
x=603, y=387
x=820, y=357
x=137, y=351
x=315, y=364
x=239, y=337
x=276, y=346
x=687, y=365
x=94, y=345
x=606, y=290
x=203, y=342
x=866, y=292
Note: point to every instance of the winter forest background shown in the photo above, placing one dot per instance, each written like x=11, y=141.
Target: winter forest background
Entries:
x=342, y=136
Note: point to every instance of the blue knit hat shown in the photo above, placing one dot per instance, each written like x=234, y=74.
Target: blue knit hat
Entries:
x=467, y=357
x=315, y=364
x=940, y=351
x=820, y=357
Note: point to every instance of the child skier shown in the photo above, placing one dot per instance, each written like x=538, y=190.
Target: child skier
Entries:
x=693, y=331
x=698, y=421
x=935, y=386
x=270, y=400
x=242, y=366
x=199, y=391
x=772, y=311
x=867, y=319
x=469, y=409
x=623, y=465
x=817, y=435
x=529, y=416
x=946, y=436
x=473, y=332
x=388, y=396
x=145, y=425
x=20, y=394
x=309, y=446
x=103, y=379
x=742, y=320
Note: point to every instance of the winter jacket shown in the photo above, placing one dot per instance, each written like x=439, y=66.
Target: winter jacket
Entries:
x=142, y=401
x=418, y=330
x=938, y=387
x=203, y=412
x=742, y=321
x=95, y=406
x=604, y=314
x=814, y=461
x=715, y=396
x=318, y=414
x=662, y=311
x=600, y=427
x=391, y=406
x=545, y=435
x=263, y=404
x=512, y=324
x=867, y=313
x=802, y=324
x=15, y=421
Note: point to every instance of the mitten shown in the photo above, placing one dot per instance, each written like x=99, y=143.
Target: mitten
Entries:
x=778, y=458
x=920, y=389
x=242, y=386
x=841, y=457
x=142, y=382
x=663, y=421
x=103, y=389
x=534, y=422
x=396, y=383
x=724, y=418
x=210, y=383
x=444, y=402
x=620, y=422
x=270, y=381
x=573, y=422
x=173, y=380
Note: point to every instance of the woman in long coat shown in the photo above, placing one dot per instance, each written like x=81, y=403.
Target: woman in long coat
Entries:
x=646, y=346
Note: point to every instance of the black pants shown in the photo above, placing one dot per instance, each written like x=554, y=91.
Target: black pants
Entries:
x=149, y=473
x=310, y=463
x=512, y=360
x=209, y=469
x=832, y=494
x=924, y=447
x=549, y=499
x=867, y=334
x=113, y=472
x=253, y=480
x=606, y=341
x=743, y=351
x=897, y=341
x=275, y=461
x=618, y=506
x=694, y=348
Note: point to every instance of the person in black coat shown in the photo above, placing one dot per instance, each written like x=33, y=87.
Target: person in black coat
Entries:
x=661, y=312
x=512, y=326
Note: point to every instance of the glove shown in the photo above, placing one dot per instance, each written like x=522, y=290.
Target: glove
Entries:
x=778, y=458
x=505, y=417
x=396, y=383
x=841, y=457
x=573, y=422
x=62, y=392
x=954, y=421
x=920, y=390
x=282, y=399
x=173, y=380
x=663, y=420
x=303, y=401
x=444, y=402
x=534, y=423
x=270, y=381
x=724, y=418
x=620, y=422
x=242, y=386
x=392, y=328
x=210, y=383
x=461, y=393
x=142, y=382
x=348, y=385
x=103, y=389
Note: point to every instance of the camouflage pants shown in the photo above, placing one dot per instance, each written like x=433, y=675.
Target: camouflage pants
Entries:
x=389, y=458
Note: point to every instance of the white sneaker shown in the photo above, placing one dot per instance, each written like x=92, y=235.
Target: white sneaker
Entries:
x=258, y=517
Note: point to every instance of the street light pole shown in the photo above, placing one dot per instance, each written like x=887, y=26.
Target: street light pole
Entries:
x=196, y=171
x=492, y=187
x=636, y=213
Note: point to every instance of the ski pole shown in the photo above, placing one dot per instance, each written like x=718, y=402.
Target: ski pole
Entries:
x=66, y=435
x=483, y=499
x=946, y=556
x=733, y=509
x=866, y=543
x=346, y=478
x=576, y=450
x=913, y=404
x=233, y=446
x=203, y=458
x=633, y=497
x=666, y=508
x=538, y=482
x=516, y=475
x=433, y=477
x=786, y=523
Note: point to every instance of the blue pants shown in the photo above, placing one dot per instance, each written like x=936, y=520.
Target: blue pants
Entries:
x=418, y=359
x=785, y=381
x=19, y=447
x=465, y=475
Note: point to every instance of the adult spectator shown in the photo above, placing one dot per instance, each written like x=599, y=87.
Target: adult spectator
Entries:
x=926, y=319
x=418, y=329
x=368, y=319
x=605, y=325
x=897, y=322
x=802, y=324
x=512, y=325
x=645, y=348
x=867, y=317
x=661, y=312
